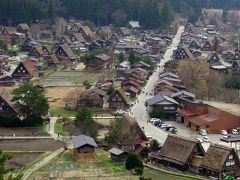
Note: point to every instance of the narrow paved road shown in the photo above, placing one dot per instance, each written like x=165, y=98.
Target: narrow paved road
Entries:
x=53, y=121
x=139, y=111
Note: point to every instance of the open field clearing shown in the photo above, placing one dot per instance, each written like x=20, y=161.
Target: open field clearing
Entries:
x=71, y=78
x=56, y=95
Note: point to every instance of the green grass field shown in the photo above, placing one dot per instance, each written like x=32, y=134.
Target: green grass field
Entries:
x=55, y=111
x=58, y=128
x=158, y=175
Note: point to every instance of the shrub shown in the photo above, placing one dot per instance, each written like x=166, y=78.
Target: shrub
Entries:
x=138, y=171
x=158, y=114
x=154, y=145
x=133, y=161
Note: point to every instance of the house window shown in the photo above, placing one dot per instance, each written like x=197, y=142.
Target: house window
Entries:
x=207, y=126
x=230, y=156
x=230, y=163
x=169, y=108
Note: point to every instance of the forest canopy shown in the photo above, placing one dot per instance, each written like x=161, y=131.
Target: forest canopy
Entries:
x=150, y=13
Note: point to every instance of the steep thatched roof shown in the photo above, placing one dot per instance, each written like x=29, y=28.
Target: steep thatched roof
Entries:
x=67, y=50
x=216, y=156
x=179, y=149
x=122, y=94
x=23, y=26
x=79, y=37
x=131, y=132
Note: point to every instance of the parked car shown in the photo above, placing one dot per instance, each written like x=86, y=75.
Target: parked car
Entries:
x=225, y=136
x=160, y=124
x=203, y=132
x=173, y=130
x=224, y=132
x=206, y=139
x=152, y=120
x=120, y=111
x=156, y=123
x=234, y=131
x=168, y=127
x=199, y=139
x=163, y=126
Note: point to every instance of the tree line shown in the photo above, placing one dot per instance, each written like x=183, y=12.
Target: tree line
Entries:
x=150, y=13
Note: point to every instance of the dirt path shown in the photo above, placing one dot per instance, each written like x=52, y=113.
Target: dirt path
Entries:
x=40, y=164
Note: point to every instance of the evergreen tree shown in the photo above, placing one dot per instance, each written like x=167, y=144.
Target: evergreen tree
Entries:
x=166, y=15
x=3, y=171
x=225, y=16
x=121, y=57
x=133, y=161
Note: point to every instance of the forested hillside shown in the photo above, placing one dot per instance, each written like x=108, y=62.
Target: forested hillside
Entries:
x=15, y=11
x=150, y=13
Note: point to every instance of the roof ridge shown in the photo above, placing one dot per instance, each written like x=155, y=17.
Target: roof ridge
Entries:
x=183, y=138
x=221, y=146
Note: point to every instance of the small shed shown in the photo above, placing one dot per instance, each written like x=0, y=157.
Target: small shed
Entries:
x=84, y=148
x=118, y=155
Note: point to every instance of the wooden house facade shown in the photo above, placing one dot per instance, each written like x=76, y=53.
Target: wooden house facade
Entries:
x=132, y=138
x=84, y=148
x=214, y=59
x=92, y=98
x=219, y=161
x=118, y=100
x=65, y=54
x=179, y=153
x=6, y=80
x=98, y=63
x=6, y=106
x=165, y=104
x=25, y=71
x=118, y=155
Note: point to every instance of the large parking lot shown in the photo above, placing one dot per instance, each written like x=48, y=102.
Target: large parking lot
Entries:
x=187, y=132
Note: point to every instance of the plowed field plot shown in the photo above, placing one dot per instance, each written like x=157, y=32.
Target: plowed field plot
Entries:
x=20, y=160
x=39, y=145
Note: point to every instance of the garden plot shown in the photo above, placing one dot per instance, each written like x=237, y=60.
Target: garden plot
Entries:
x=65, y=167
